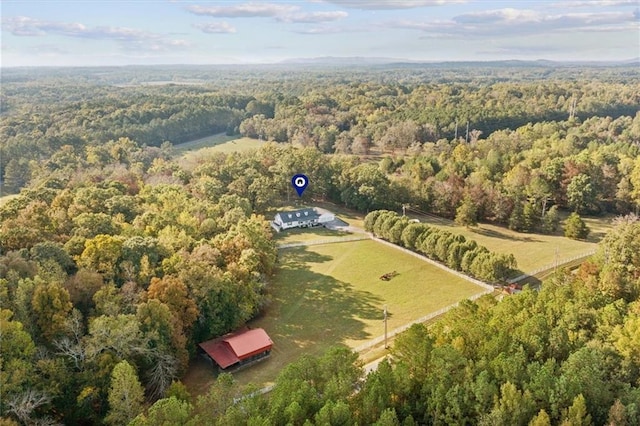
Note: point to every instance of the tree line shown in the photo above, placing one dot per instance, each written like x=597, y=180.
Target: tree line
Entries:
x=454, y=250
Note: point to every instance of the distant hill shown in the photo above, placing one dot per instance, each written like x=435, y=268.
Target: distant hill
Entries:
x=337, y=60
x=357, y=60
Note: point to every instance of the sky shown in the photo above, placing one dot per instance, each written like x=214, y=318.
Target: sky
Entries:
x=147, y=32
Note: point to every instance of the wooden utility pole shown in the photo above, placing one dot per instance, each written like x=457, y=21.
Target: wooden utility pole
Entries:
x=385, y=327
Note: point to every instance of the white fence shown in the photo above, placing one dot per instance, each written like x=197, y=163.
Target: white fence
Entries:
x=551, y=266
x=432, y=315
x=488, y=289
x=438, y=264
x=380, y=339
x=325, y=241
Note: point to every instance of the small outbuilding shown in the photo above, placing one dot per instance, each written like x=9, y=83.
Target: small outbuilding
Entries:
x=238, y=349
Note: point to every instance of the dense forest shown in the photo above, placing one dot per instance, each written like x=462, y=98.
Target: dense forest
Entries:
x=568, y=354
x=116, y=259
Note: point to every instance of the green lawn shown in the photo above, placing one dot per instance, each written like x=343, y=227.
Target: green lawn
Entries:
x=191, y=157
x=205, y=142
x=292, y=236
x=532, y=251
x=234, y=145
x=332, y=294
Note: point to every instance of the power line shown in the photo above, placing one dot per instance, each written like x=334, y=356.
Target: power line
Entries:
x=418, y=211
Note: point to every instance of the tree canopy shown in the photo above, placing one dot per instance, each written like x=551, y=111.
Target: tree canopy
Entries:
x=117, y=258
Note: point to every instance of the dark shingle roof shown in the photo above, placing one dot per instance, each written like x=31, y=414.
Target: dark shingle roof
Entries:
x=302, y=214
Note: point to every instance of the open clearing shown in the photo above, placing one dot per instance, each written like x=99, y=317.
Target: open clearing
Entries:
x=332, y=294
x=532, y=251
x=208, y=141
x=233, y=145
x=293, y=236
x=193, y=152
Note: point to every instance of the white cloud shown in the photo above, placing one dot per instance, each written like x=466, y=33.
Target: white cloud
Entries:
x=513, y=22
x=216, y=28
x=507, y=15
x=324, y=29
x=280, y=12
x=595, y=3
x=392, y=4
x=25, y=26
x=246, y=10
x=533, y=21
x=313, y=17
x=129, y=38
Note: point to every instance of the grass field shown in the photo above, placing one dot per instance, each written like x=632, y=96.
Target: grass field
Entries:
x=532, y=251
x=234, y=145
x=205, y=142
x=218, y=143
x=292, y=236
x=331, y=294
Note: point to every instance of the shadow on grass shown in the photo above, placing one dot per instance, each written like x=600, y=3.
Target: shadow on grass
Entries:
x=199, y=376
x=311, y=310
x=516, y=273
x=298, y=257
x=497, y=234
x=595, y=237
x=319, y=231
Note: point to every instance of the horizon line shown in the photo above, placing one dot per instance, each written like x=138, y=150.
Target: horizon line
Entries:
x=328, y=60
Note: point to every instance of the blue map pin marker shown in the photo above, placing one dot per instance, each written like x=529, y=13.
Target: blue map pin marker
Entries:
x=300, y=183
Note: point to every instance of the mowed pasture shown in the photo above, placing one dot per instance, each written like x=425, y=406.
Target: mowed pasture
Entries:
x=332, y=294
x=193, y=152
x=311, y=235
x=532, y=251
x=206, y=142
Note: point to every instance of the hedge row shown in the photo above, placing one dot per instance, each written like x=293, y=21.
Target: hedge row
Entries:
x=453, y=250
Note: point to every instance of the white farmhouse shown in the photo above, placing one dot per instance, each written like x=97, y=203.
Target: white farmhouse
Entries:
x=302, y=218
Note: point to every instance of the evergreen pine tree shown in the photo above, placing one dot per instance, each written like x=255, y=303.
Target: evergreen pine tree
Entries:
x=575, y=228
x=125, y=395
